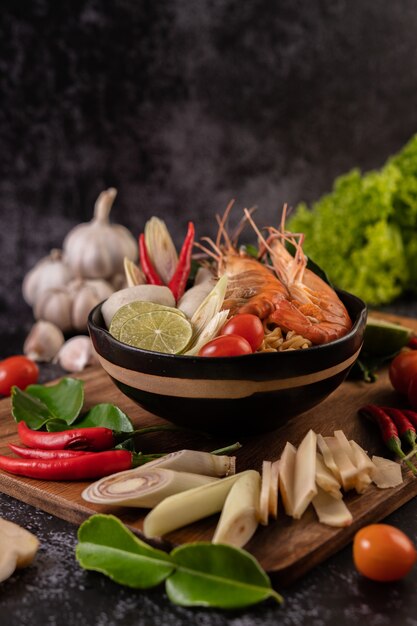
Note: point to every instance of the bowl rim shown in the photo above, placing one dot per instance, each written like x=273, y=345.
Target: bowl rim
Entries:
x=360, y=317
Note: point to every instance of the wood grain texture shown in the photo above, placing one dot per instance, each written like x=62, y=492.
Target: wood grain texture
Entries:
x=286, y=548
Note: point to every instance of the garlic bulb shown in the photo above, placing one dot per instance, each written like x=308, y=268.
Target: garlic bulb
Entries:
x=48, y=273
x=43, y=341
x=76, y=354
x=69, y=307
x=96, y=249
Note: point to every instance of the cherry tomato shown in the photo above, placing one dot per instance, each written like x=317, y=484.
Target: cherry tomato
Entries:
x=382, y=552
x=226, y=345
x=17, y=370
x=402, y=369
x=247, y=326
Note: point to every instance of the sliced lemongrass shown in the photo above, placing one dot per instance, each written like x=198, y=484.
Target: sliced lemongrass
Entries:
x=326, y=480
x=265, y=491
x=133, y=273
x=239, y=517
x=331, y=511
x=305, y=487
x=348, y=471
x=364, y=464
x=189, y=506
x=210, y=306
x=143, y=489
x=286, y=480
x=344, y=444
x=387, y=473
x=208, y=333
x=273, y=489
x=161, y=248
x=328, y=457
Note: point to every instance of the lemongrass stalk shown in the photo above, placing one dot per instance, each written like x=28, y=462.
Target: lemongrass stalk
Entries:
x=185, y=508
x=265, y=491
x=197, y=462
x=211, y=305
x=239, y=517
x=273, y=489
x=143, y=489
x=133, y=273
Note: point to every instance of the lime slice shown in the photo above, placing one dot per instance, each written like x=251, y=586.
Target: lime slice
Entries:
x=128, y=311
x=384, y=338
x=157, y=330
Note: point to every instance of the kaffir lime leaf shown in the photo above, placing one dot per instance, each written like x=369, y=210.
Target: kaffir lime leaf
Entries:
x=157, y=330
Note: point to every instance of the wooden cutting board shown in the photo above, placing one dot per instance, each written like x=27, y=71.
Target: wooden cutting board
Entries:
x=285, y=548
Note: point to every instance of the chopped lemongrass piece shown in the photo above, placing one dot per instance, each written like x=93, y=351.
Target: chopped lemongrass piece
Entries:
x=328, y=457
x=348, y=471
x=161, y=249
x=387, y=473
x=196, y=462
x=211, y=305
x=133, y=273
x=208, y=333
x=286, y=478
x=305, y=487
x=143, y=489
x=326, y=480
x=364, y=465
x=239, y=517
x=265, y=491
x=189, y=506
x=273, y=489
x=331, y=511
x=344, y=444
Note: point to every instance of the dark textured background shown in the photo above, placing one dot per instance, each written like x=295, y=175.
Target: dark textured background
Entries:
x=183, y=105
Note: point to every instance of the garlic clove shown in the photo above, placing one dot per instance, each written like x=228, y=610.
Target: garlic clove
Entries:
x=54, y=305
x=76, y=354
x=86, y=294
x=43, y=341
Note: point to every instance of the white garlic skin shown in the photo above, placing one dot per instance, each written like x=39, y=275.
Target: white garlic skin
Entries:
x=76, y=354
x=43, y=341
x=54, y=305
x=86, y=295
x=69, y=307
x=48, y=273
x=97, y=249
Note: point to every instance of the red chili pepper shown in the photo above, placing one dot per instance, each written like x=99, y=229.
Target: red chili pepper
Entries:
x=178, y=282
x=151, y=275
x=406, y=429
x=411, y=415
x=388, y=430
x=94, y=465
x=94, y=439
x=33, y=453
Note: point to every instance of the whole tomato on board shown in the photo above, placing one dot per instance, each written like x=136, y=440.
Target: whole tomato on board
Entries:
x=226, y=345
x=247, y=326
x=383, y=553
x=401, y=370
x=17, y=370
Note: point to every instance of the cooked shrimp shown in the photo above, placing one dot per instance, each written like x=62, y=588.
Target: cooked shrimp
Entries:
x=325, y=316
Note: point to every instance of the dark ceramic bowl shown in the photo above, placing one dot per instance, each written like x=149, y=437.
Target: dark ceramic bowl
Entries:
x=240, y=395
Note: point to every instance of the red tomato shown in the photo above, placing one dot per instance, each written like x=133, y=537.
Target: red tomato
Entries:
x=402, y=369
x=226, y=345
x=383, y=553
x=247, y=326
x=17, y=370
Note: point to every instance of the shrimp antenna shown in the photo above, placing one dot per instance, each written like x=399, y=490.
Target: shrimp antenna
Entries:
x=209, y=252
x=256, y=229
x=242, y=223
x=222, y=225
